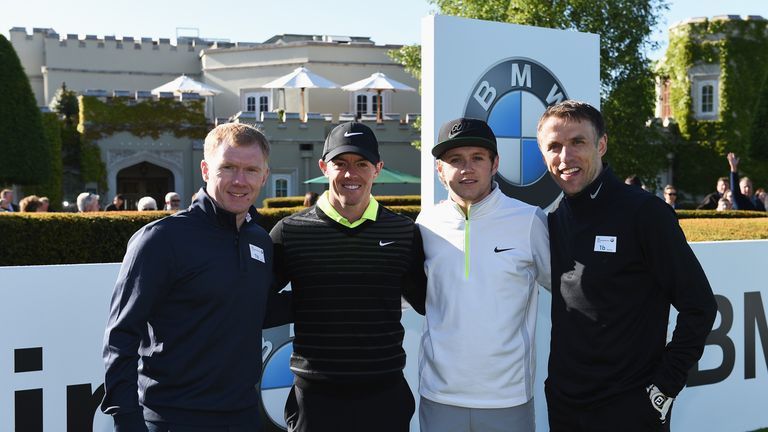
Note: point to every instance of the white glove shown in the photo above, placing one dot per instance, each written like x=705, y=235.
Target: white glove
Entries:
x=659, y=401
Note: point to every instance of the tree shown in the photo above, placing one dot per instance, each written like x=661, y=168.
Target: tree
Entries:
x=24, y=155
x=627, y=81
x=65, y=104
x=410, y=57
x=52, y=188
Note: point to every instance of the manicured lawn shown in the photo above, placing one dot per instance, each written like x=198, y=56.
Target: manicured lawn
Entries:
x=725, y=229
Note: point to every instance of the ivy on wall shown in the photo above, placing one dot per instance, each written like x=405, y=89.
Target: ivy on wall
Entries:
x=151, y=118
x=740, y=49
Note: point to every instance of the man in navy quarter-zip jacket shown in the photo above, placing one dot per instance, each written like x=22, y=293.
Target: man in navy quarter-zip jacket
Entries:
x=182, y=346
x=619, y=261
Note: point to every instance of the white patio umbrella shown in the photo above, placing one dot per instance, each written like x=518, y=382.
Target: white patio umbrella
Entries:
x=378, y=82
x=185, y=84
x=301, y=78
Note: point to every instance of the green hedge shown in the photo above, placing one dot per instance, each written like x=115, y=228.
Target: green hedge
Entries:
x=71, y=238
x=68, y=238
x=387, y=200
x=712, y=214
x=282, y=202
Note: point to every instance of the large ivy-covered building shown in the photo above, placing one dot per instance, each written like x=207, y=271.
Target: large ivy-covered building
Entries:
x=149, y=144
x=713, y=98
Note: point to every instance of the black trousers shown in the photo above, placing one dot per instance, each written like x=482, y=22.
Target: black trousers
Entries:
x=627, y=412
x=385, y=410
x=168, y=427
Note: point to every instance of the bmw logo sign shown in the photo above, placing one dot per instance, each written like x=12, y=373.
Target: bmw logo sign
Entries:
x=277, y=378
x=510, y=97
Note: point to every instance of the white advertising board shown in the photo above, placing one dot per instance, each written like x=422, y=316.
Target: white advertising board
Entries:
x=53, y=317
x=506, y=75
x=52, y=320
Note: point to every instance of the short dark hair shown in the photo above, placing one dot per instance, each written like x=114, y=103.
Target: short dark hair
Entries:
x=575, y=110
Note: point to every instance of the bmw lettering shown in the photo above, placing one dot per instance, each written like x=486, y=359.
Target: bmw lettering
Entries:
x=510, y=97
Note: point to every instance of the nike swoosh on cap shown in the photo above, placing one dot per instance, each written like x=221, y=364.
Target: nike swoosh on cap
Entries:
x=383, y=243
x=349, y=134
x=497, y=250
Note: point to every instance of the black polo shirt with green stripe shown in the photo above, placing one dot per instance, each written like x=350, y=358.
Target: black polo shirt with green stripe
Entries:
x=347, y=281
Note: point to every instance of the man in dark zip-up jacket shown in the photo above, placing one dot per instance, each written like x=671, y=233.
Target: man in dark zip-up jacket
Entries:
x=619, y=261
x=183, y=341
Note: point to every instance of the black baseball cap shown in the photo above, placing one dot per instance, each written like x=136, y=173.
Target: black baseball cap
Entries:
x=463, y=132
x=351, y=137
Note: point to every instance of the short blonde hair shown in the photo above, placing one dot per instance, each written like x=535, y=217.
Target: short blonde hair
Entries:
x=235, y=134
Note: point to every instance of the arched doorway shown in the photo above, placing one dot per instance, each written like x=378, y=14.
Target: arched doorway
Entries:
x=144, y=179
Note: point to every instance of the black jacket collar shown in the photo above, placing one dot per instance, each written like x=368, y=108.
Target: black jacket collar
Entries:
x=217, y=215
x=597, y=192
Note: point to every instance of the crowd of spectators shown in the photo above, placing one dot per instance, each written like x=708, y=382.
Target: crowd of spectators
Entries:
x=86, y=202
x=744, y=197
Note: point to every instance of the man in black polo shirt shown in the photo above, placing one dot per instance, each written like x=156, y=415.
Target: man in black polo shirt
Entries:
x=349, y=261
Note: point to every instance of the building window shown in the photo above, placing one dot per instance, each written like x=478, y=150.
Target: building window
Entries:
x=666, y=110
x=707, y=99
x=257, y=102
x=367, y=103
x=281, y=185
x=706, y=106
x=281, y=188
x=362, y=104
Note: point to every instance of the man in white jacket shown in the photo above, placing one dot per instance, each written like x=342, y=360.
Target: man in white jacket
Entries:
x=485, y=253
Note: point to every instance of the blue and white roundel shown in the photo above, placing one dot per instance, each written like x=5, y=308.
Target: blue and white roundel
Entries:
x=276, y=383
x=513, y=120
x=511, y=96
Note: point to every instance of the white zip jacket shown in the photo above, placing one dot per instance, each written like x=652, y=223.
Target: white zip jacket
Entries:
x=477, y=350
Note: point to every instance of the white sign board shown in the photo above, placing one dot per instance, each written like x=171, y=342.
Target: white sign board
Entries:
x=507, y=75
x=53, y=318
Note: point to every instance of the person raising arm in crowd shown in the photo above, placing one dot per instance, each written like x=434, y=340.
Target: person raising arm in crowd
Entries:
x=743, y=197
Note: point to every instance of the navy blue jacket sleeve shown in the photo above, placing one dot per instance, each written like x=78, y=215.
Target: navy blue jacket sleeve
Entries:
x=678, y=272
x=279, y=303
x=414, y=283
x=145, y=275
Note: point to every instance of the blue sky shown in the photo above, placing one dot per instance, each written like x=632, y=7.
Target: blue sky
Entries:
x=388, y=22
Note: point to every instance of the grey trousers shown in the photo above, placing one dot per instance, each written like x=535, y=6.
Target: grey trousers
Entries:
x=437, y=417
